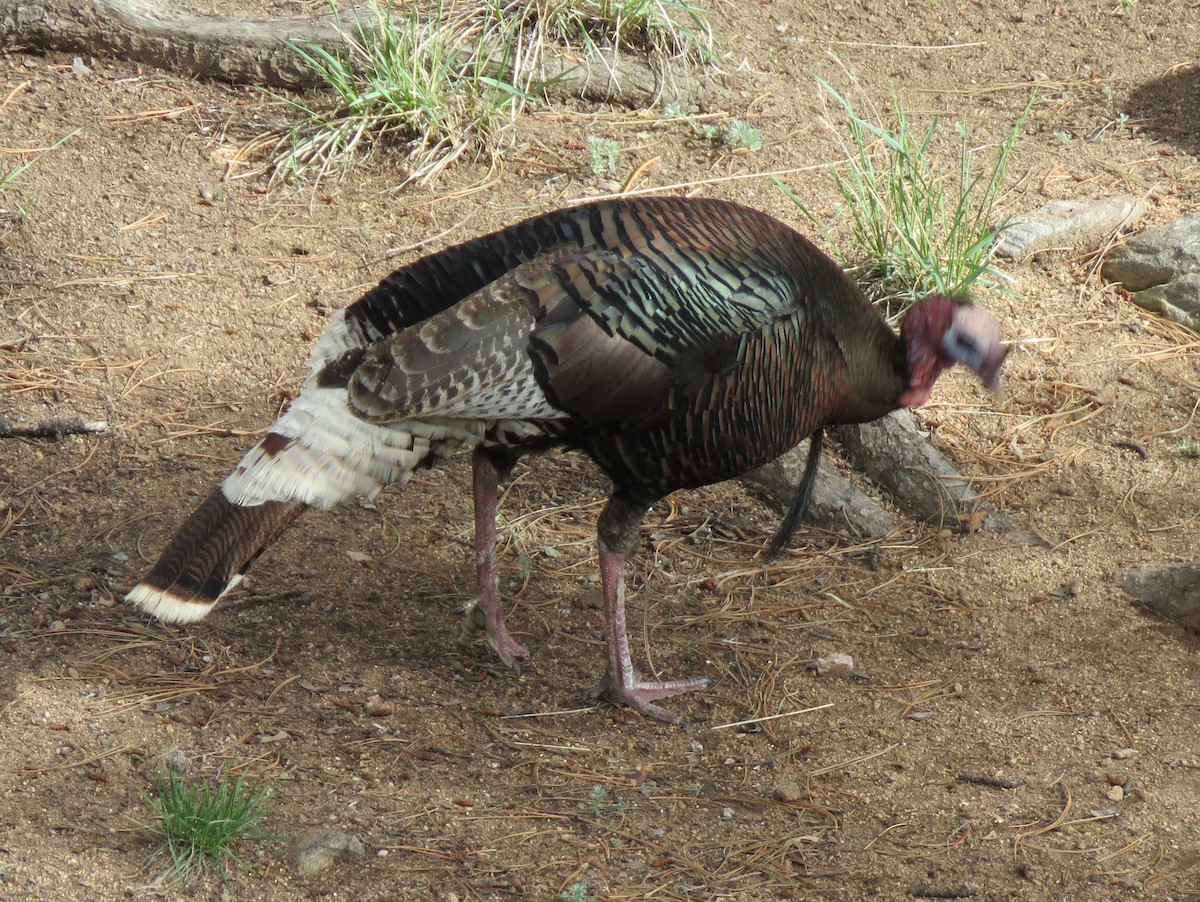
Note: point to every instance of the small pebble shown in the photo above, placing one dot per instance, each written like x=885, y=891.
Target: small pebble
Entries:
x=317, y=850
x=837, y=664
x=1124, y=754
x=787, y=791
x=376, y=707
x=176, y=761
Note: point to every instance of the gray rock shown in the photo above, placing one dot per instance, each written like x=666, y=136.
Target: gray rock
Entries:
x=176, y=761
x=836, y=664
x=1157, y=255
x=788, y=791
x=1161, y=270
x=1171, y=591
x=1177, y=300
x=1077, y=225
x=317, y=850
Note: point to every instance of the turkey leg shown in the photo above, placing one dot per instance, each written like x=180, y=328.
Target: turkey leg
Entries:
x=621, y=683
x=485, y=609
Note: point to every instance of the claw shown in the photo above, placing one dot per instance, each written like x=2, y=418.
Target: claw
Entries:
x=483, y=612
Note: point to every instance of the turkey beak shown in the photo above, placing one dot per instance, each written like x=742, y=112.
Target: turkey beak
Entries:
x=973, y=340
x=988, y=367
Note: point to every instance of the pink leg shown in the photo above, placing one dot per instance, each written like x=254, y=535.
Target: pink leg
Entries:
x=621, y=681
x=484, y=610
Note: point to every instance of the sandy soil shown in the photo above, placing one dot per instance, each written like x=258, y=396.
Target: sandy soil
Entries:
x=1017, y=730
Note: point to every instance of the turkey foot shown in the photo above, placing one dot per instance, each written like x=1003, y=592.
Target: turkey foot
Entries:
x=621, y=683
x=630, y=689
x=485, y=610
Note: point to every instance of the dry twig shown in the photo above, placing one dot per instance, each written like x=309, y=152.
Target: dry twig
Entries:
x=54, y=427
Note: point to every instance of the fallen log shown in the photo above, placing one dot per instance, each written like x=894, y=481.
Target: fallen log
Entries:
x=894, y=453
x=258, y=51
x=837, y=504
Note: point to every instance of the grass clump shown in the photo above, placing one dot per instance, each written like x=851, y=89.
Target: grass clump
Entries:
x=446, y=80
x=598, y=799
x=419, y=82
x=918, y=226
x=577, y=892
x=733, y=134
x=198, y=825
x=605, y=804
x=671, y=28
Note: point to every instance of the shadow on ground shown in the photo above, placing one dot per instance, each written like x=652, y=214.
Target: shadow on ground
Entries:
x=1168, y=107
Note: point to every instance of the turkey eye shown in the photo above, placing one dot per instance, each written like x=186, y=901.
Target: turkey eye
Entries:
x=961, y=344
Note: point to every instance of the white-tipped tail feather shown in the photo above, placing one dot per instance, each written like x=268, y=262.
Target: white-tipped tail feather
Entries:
x=317, y=454
x=320, y=452
x=171, y=608
x=208, y=555
x=325, y=450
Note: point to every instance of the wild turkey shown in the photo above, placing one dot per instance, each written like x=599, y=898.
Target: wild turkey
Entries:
x=678, y=342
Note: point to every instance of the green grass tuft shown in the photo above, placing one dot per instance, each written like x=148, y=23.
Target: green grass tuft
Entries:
x=13, y=176
x=444, y=82
x=733, y=134
x=198, y=825
x=918, y=225
x=671, y=28
x=598, y=798
x=419, y=83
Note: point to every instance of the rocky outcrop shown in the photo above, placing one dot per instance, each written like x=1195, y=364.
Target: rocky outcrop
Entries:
x=1161, y=270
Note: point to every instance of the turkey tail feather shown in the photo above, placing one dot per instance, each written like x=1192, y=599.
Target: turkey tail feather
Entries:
x=209, y=554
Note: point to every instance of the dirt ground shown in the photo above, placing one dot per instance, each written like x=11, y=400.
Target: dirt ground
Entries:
x=1016, y=728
